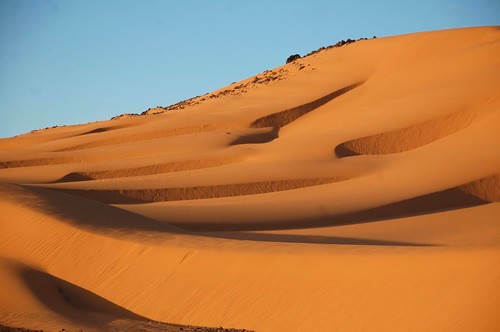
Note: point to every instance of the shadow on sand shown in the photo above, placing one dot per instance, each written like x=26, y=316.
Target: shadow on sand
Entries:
x=98, y=217
x=84, y=307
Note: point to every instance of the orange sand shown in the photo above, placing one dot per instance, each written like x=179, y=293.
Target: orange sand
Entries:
x=355, y=189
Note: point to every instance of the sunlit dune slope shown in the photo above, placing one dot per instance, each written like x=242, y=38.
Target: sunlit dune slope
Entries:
x=354, y=189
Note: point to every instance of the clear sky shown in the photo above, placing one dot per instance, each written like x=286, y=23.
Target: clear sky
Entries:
x=67, y=62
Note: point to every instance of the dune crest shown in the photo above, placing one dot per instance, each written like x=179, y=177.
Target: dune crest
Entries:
x=285, y=117
x=408, y=138
x=124, y=196
x=487, y=188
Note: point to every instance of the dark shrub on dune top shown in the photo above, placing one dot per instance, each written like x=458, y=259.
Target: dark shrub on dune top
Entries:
x=292, y=58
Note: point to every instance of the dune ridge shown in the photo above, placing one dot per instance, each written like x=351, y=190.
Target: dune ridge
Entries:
x=281, y=119
x=39, y=162
x=124, y=196
x=408, y=138
x=147, y=135
x=487, y=188
x=171, y=167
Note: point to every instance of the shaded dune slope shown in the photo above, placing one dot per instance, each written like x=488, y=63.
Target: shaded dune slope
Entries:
x=76, y=306
x=86, y=214
x=124, y=196
x=487, y=189
x=446, y=200
x=146, y=135
x=70, y=300
x=281, y=119
x=408, y=138
x=172, y=167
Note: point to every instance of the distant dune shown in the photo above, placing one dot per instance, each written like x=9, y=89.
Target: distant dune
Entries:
x=354, y=189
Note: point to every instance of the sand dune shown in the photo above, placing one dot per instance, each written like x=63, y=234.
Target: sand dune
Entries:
x=122, y=196
x=281, y=119
x=407, y=138
x=177, y=166
x=354, y=189
x=487, y=188
x=74, y=307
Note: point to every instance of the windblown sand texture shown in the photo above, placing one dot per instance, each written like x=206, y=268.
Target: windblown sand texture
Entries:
x=356, y=189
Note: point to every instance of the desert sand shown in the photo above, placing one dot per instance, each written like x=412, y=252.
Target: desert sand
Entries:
x=355, y=189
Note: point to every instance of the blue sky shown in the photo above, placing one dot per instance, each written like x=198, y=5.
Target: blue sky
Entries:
x=67, y=62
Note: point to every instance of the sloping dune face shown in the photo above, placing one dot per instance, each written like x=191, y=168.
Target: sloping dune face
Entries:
x=354, y=189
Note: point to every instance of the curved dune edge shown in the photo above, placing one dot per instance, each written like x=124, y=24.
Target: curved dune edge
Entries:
x=408, y=138
x=171, y=167
x=98, y=130
x=257, y=136
x=281, y=119
x=476, y=193
x=450, y=199
x=487, y=188
x=145, y=170
x=137, y=196
x=39, y=162
x=40, y=136
x=150, y=135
